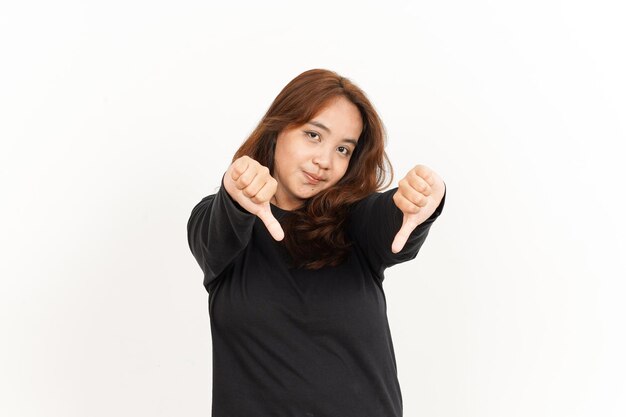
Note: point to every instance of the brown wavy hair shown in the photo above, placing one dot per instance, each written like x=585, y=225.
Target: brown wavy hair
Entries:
x=315, y=234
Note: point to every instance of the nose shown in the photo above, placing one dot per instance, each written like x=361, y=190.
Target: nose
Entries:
x=322, y=159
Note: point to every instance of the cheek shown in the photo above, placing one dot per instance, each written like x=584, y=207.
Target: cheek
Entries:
x=282, y=159
x=290, y=152
x=342, y=169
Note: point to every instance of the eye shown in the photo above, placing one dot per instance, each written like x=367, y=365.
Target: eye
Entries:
x=344, y=150
x=313, y=135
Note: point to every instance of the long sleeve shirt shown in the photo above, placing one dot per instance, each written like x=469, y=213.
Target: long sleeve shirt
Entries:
x=293, y=342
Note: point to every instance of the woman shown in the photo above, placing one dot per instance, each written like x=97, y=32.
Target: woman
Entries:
x=293, y=247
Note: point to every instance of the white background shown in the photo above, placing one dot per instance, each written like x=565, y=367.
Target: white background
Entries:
x=117, y=117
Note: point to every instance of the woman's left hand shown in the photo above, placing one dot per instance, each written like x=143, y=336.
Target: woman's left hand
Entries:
x=418, y=196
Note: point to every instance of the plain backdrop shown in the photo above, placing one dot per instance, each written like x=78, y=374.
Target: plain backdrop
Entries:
x=117, y=117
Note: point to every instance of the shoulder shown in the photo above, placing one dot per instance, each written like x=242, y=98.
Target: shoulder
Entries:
x=204, y=202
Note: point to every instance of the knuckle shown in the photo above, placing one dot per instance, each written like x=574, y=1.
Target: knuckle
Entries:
x=235, y=168
x=419, y=200
x=243, y=181
x=257, y=199
x=240, y=164
x=412, y=195
x=415, y=178
x=415, y=185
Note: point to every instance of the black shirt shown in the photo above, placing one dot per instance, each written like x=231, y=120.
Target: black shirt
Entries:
x=296, y=342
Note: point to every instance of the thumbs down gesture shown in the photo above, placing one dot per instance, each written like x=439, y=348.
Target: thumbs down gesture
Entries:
x=418, y=196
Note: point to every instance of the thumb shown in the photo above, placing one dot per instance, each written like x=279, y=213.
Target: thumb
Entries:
x=270, y=222
x=409, y=223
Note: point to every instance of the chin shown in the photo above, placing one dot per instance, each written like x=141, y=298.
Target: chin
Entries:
x=305, y=193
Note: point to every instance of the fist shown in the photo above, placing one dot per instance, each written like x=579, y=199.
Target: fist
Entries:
x=250, y=184
x=418, y=196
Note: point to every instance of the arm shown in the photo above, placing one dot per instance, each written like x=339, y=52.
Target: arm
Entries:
x=374, y=222
x=220, y=226
x=218, y=230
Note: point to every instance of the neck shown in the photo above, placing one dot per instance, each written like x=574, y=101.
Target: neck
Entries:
x=280, y=204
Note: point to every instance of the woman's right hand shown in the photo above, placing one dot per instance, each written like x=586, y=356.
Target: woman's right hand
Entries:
x=250, y=184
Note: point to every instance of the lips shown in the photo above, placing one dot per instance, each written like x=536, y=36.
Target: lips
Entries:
x=314, y=179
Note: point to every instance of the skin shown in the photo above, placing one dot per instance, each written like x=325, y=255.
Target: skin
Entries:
x=312, y=149
x=418, y=196
x=324, y=154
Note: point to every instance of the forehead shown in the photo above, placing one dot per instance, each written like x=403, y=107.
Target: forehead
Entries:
x=341, y=117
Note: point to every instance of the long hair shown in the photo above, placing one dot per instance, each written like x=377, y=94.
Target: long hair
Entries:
x=315, y=234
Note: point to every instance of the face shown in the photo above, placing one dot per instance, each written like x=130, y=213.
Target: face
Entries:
x=315, y=156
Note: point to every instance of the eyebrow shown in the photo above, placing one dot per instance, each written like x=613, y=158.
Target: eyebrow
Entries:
x=321, y=126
